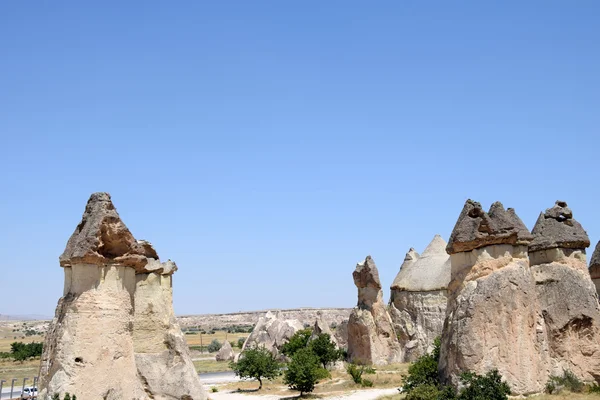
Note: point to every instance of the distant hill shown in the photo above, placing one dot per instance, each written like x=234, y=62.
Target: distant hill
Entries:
x=305, y=315
x=26, y=317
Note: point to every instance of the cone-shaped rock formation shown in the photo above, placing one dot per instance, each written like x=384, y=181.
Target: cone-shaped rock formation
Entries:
x=418, y=299
x=103, y=342
x=371, y=335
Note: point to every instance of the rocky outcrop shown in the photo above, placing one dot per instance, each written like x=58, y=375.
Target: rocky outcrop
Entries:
x=225, y=352
x=341, y=335
x=272, y=332
x=371, y=335
x=493, y=318
x=566, y=294
x=418, y=299
x=162, y=355
x=320, y=327
x=114, y=334
x=595, y=268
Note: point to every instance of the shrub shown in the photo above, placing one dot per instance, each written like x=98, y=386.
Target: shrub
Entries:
x=304, y=371
x=424, y=371
x=594, y=388
x=214, y=389
x=214, y=346
x=21, y=351
x=296, y=342
x=325, y=349
x=366, y=383
x=256, y=363
x=484, y=387
x=240, y=342
x=424, y=392
x=568, y=381
x=355, y=372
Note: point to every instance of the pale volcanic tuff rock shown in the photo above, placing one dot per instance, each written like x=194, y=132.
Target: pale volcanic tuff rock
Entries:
x=225, y=353
x=595, y=268
x=371, y=335
x=320, y=327
x=566, y=294
x=272, y=331
x=493, y=318
x=418, y=299
x=97, y=346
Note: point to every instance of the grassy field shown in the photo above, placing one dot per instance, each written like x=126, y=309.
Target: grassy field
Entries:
x=19, y=369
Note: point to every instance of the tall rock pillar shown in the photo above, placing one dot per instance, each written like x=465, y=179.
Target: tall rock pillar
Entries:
x=161, y=352
x=566, y=294
x=371, y=335
x=88, y=349
x=595, y=268
x=492, y=319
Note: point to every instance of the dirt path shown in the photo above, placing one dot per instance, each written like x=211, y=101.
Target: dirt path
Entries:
x=365, y=394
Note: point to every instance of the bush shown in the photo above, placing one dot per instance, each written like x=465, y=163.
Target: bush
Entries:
x=594, y=388
x=304, y=371
x=424, y=392
x=568, y=381
x=355, y=372
x=366, y=383
x=325, y=349
x=214, y=389
x=424, y=371
x=240, y=342
x=256, y=363
x=214, y=346
x=487, y=387
x=296, y=342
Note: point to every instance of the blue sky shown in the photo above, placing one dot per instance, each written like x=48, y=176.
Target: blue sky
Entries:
x=269, y=146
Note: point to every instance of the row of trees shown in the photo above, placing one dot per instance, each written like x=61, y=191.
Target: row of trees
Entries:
x=22, y=351
x=308, y=362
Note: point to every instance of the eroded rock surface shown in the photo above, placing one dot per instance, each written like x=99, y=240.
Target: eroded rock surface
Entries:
x=114, y=334
x=566, y=294
x=225, y=353
x=418, y=299
x=595, y=268
x=493, y=320
x=272, y=332
x=371, y=335
x=320, y=327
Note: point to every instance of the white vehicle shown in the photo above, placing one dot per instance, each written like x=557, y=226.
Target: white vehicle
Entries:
x=29, y=393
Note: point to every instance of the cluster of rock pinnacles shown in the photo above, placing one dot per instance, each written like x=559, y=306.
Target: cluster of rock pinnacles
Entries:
x=497, y=295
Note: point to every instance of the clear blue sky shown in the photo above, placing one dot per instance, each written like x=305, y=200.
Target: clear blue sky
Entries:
x=267, y=147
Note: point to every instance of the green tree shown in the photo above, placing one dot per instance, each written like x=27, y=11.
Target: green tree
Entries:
x=240, y=342
x=325, y=349
x=304, y=371
x=214, y=346
x=256, y=363
x=296, y=342
x=483, y=387
x=424, y=371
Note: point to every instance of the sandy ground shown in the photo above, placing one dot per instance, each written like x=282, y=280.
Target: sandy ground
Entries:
x=365, y=394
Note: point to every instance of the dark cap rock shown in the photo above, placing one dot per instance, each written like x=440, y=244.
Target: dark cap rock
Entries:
x=102, y=238
x=475, y=228
x=556, y=228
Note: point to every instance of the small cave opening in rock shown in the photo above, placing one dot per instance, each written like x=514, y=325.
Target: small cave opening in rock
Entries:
x=78, y=359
